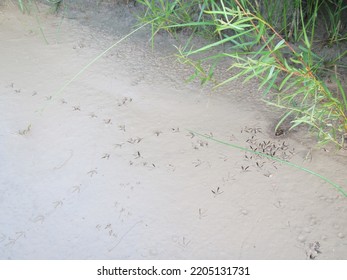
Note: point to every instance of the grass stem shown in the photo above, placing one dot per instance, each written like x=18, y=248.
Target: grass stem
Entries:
x=336, y=186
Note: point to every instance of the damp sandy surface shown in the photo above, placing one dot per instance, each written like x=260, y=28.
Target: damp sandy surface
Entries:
x=113, y=167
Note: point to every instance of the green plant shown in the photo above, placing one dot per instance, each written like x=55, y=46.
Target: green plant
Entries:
x=333, y=21
x=167, y=13
x=24, y=5
x=29, y=6
x=301, y=168
x=290, y=76
x=60, y=91
x=174, y=16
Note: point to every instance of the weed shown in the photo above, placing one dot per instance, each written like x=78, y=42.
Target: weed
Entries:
x=257, y=37
x=333, y=21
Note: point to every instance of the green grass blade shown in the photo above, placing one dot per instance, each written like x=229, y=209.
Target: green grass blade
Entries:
x=59, y=92
x=336, y=186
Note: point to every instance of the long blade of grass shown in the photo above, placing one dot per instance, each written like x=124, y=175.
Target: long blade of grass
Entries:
x=220, y=42
x=60, y=90
x=21, y=5
x=343, y=93
x=336, y=186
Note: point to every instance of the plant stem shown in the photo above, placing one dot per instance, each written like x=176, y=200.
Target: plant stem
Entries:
x=336, y=186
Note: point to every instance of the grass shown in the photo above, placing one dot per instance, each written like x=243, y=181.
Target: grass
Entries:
x=336, y=186
x=291, y=72
x=26, y=5
x=59, y=92
x=30, y=6
x=259, y=39
x=333, y=21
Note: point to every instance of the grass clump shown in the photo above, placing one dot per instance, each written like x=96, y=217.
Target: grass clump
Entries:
x=276, y=43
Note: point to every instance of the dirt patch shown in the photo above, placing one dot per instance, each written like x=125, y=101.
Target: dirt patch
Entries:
x=114, y=168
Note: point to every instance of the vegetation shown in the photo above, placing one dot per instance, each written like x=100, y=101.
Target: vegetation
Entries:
x=26, y=5
x=260, y=39
x=277, y=42
x=29, y=6
x=273, y=158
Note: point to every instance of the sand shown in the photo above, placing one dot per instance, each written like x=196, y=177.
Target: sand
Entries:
x=109, y=168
